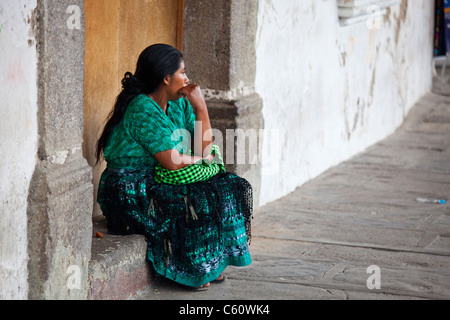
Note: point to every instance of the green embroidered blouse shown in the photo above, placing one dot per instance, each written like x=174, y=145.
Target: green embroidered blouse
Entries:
x=146, y=130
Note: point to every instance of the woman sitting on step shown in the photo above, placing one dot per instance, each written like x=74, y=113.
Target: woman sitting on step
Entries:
x=194, y=215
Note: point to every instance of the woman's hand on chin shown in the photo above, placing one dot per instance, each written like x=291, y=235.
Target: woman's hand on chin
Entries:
x=194, y=94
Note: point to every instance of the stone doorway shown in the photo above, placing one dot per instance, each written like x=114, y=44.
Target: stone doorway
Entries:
x=219, y=47
x=116, y=32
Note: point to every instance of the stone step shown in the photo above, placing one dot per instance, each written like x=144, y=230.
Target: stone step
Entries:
x=118, y=269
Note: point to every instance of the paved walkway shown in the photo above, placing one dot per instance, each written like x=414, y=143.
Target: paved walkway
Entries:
x=318, y=242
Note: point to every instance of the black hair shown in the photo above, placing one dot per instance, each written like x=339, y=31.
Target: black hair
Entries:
x=154, y=64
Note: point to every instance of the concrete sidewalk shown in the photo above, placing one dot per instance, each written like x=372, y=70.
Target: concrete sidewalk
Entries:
x=318, y=242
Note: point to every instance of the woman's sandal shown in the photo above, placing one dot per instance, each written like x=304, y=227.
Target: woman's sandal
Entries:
x=202, y=288
x=198, y=289
x=224, y=277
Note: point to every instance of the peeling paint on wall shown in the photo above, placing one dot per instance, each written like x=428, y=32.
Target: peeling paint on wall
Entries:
x=18, y=143
x=400, y=18
x=361, y=82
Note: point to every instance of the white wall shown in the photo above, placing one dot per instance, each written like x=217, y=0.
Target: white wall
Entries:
x=18, y=140
x=332, y=91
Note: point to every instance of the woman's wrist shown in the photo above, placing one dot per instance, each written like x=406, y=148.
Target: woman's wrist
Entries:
x=199, y=108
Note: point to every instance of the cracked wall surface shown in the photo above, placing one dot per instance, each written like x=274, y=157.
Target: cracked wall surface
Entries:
x=331, y=91
x=18, y=92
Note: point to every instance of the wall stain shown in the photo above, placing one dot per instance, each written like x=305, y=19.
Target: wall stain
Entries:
x=400, y=19
x=343, y=58
x=372, y=88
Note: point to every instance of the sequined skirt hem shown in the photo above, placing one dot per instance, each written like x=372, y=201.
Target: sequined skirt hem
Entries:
x=193, y=232
x=191, y=281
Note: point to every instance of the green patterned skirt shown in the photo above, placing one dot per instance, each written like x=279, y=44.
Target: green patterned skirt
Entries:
x=193, y=231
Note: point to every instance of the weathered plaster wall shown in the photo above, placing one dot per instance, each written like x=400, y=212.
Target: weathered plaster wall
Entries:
x=18, y=140
x=59, y=211
x=331, y=91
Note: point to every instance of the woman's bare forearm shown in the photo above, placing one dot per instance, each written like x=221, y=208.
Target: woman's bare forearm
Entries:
x=203, y=133
x=173, y=160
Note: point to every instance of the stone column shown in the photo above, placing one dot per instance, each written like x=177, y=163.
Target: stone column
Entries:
x=60, y=195
x=219, y=51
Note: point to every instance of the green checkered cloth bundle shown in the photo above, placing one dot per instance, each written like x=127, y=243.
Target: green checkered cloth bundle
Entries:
x=200, y=171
